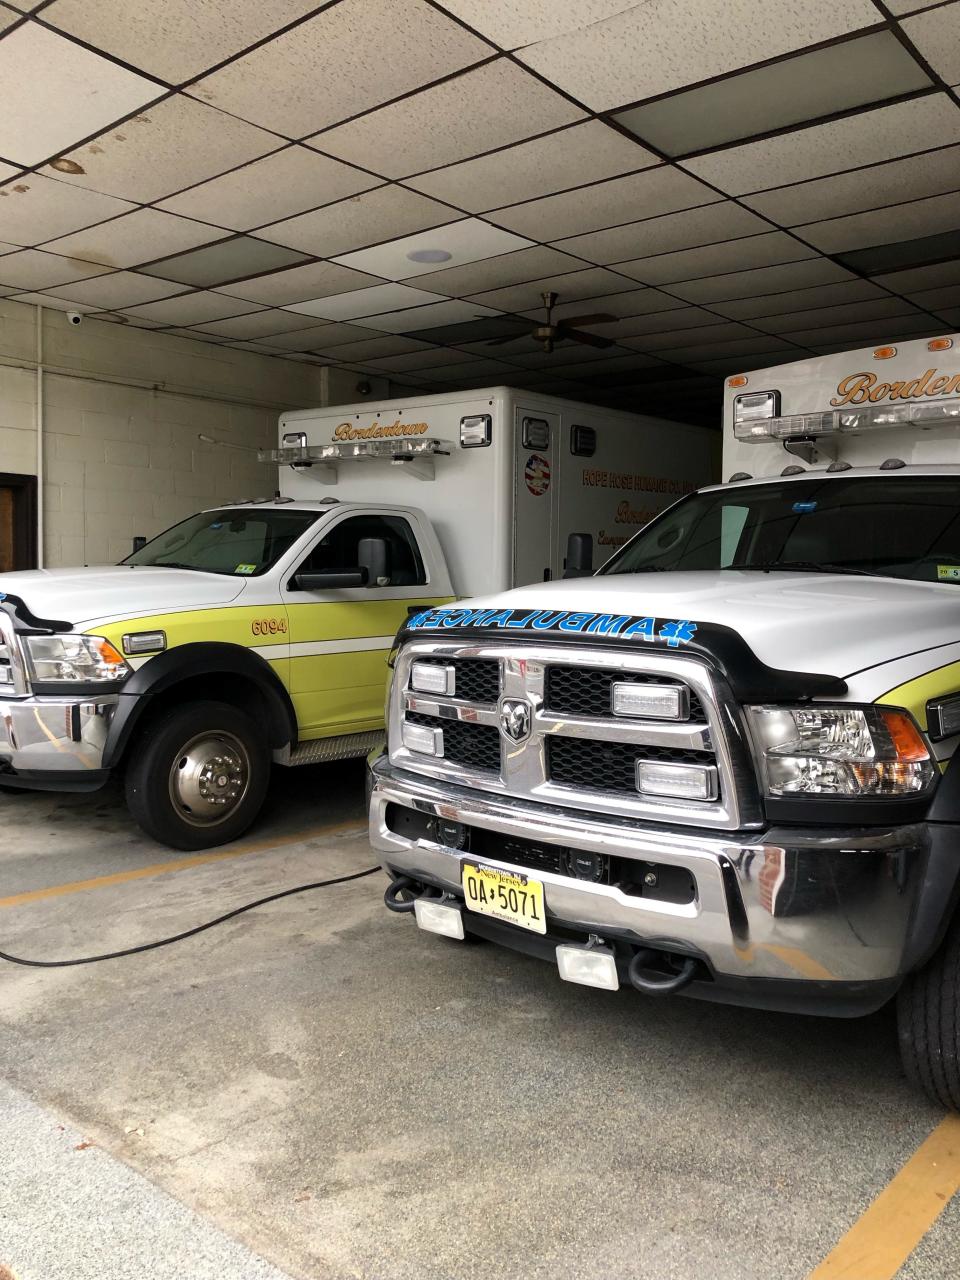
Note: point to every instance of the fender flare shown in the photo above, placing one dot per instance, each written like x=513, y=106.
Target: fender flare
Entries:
x=186, y=662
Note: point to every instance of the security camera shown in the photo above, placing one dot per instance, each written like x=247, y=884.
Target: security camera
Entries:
x=74, y=317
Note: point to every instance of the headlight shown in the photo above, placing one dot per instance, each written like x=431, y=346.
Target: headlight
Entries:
x=73, y=658
x=840, y=751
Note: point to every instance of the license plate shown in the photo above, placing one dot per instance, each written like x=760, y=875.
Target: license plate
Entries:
x=505, y=895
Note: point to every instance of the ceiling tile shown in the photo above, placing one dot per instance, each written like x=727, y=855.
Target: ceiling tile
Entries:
x=630, y=303
x=296, y=284
x=511, y=25
x=372, y=350
x=49, y=300
x=119, y=289
x=423, y=358
x=68, y=93
x=847, y=313
x=169, y=146
x=685, y=230
x=277, y=186
x=8, y=171
x=38, y=209
x=883, y=226
x=195, y=335
x=666, y=339
x=572, y=156
x=489, y=107
x=607, y=204
x=936, y=34
x=31, y=269
x=578, y=284
x=576, y=368
x=866, y=331
x=634, y=331
x=494, y=273
x=733, y=350
x=134, y=238
x=193, y=308
x=259, y=324
x=566, y=352
x=450, y=311
x=894, y=255
x=715, y=259
x=952, y=317
x=468, y=332
x=173, y=39
x=8, y=17
x=916, y=278
x=365, y=302
x=466, y=241
x=223, y=262
x=901, y=7
x=820, y=83
x=937, y=299
x=469, y=374
x=663, y=44
x=362, y=220
x=746, y=284
x=857, y=140
x=876, y=186
x=319, y=337
x=770, y=304
x=352, y=56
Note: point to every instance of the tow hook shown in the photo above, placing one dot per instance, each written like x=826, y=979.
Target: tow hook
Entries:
x=402, y=884
x=659, y=986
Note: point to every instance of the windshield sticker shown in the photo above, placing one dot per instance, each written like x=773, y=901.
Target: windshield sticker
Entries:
x=675, y=631
x=217, y=524
x=245, y=568
x=948, y=572
x=804, y=508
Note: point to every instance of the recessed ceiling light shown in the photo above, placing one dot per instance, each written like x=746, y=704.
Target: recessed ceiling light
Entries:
x=429, y=255
x=66, y=166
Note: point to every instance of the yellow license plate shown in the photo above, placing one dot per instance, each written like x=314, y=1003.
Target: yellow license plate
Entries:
x=505, y=895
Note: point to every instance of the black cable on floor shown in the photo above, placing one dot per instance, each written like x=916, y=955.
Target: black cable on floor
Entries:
x=187, y=933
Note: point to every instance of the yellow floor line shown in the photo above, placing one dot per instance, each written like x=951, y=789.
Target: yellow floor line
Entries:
x=181, y=864
x=881, y=1240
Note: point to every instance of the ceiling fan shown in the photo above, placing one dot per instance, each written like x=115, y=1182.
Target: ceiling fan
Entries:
x=551, y=332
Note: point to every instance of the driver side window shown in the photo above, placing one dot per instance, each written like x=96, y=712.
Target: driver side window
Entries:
x=339, y=548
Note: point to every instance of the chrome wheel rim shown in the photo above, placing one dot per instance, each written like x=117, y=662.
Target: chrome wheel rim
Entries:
x=209, y=778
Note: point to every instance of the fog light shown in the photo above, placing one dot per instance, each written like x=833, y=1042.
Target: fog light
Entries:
x=421, y=738
x=426, y=677
x=589, y=966
x=650, y=701
x=436, y=917
x=680, y=781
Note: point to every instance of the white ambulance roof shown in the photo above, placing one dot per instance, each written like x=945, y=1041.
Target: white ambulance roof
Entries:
x=822, y=473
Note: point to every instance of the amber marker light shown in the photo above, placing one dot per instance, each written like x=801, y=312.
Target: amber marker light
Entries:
x=939, y=344
x=884, y=353
x=739, y=381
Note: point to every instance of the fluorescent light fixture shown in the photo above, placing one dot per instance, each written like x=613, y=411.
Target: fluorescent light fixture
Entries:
x=434, y=917
x=422, y=739
x=588, y=966
x=677, y=781
x=426, y=677
x=650, y=701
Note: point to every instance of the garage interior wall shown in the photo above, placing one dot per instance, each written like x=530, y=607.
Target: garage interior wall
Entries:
x=122, y=410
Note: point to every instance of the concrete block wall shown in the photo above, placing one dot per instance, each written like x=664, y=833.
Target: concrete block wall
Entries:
x=124, y=460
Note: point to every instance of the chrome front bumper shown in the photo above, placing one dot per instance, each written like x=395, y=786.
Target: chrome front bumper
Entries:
x=52, y=738
x=801, y=906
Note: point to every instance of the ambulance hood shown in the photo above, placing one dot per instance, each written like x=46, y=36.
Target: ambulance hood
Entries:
x=78, y=596
x=830, y=623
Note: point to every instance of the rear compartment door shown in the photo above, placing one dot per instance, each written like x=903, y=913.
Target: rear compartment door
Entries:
x=535, y=489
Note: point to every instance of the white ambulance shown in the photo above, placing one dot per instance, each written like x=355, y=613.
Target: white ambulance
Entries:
x=258, y=632
x=722, y=765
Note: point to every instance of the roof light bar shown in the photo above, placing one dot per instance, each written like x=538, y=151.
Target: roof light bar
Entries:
x=848, y=421
x=395, y=450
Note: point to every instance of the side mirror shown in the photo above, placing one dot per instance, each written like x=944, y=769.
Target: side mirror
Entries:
x=374, y=557
x=329, y=579
x=579, y=558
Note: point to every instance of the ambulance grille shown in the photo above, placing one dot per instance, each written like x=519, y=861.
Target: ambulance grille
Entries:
x=8, y=675
x=536, y=722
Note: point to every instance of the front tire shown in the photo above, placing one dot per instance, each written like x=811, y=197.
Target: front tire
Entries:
x=928, y=1022
x=198, y=776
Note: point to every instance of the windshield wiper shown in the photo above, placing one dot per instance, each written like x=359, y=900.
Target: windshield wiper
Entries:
x=179, y=564
x=808, y=566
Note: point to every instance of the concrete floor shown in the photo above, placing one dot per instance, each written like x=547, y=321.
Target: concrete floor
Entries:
x=317, y=1089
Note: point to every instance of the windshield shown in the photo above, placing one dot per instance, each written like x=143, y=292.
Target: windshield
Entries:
x=240, y=543
x=891, y=526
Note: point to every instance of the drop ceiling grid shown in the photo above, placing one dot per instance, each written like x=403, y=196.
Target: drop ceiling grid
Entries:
x=477, y=49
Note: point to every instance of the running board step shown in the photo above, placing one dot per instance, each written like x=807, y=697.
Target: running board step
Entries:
x=351, y=746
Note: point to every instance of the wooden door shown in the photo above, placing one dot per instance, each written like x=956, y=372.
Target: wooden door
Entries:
x=17, y=522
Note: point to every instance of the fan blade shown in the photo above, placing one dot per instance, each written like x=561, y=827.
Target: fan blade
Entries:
x=590, y=339
x=510, y=337
x=574, y=322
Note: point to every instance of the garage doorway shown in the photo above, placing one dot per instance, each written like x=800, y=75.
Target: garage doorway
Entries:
x=18, y=522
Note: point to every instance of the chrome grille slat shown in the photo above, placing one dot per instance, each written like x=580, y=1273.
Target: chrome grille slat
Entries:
x=13, y=675
x=572, y=760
